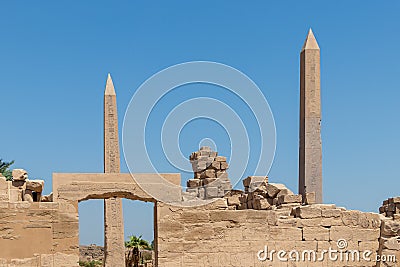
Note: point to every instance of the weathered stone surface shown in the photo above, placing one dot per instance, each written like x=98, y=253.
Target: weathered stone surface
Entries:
x=328, y=213
x=15, y=195
x=390, y=228
x=308, y=212
x=289, y=199
x=19, y=174
x=261, y=203
x=309, y=198
x=316, y=233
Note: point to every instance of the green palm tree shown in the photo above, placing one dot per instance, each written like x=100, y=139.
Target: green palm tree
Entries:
x=135, y=243
x=4, y=169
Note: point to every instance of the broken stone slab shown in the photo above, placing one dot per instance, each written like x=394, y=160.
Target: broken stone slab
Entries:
x=254, y=180
x=19, y=174
x=35, y=185
x=274, y=189
x=261, y=203
x=284, y=192
x=286, y=199
x=234, y=197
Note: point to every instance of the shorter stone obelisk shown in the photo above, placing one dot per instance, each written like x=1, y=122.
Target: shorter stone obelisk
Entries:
x=113, y=215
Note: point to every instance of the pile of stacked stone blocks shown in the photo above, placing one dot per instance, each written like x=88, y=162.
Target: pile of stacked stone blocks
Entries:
x=391, y=207
x=20, y=188
x=259, y=194
x=210, y=174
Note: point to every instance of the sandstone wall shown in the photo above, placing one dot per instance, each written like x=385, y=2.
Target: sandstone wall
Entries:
x=38, y=234
x=215, y=236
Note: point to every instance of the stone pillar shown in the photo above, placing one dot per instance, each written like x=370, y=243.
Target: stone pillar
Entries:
x=114, y=245
x=310, y=150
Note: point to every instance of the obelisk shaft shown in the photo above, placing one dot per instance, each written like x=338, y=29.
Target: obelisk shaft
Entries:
x=113, y=215
x=310, y=151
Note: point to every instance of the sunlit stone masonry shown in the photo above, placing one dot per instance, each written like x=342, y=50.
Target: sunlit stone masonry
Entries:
x=210, y=174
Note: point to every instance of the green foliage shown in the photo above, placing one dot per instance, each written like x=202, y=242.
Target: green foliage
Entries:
x=4, y=169
x=137, y=242
x=90, y=263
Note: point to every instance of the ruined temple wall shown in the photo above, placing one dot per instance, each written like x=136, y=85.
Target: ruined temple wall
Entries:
x=38, y=234
x=215, y=236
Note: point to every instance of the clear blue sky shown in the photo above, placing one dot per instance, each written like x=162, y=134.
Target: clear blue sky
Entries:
x=55, y=56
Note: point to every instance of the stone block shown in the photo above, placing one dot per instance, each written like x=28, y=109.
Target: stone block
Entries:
x=15, y=194
x=261, y=204
x=216, y=165
x=329, y=213
x=289, y=199
x=316, y=233
x=193, y=183
x=208, y=174
x=285, y=233
x=390, y=228
x=273, y=189
x=284, y=192
x=350, y=217
x=308, y=212
x=3, y=184
x=220, y=158
x=211, y=192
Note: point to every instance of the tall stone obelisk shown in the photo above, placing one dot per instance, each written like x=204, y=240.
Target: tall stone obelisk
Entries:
x=310, y=151
x=113, y=214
